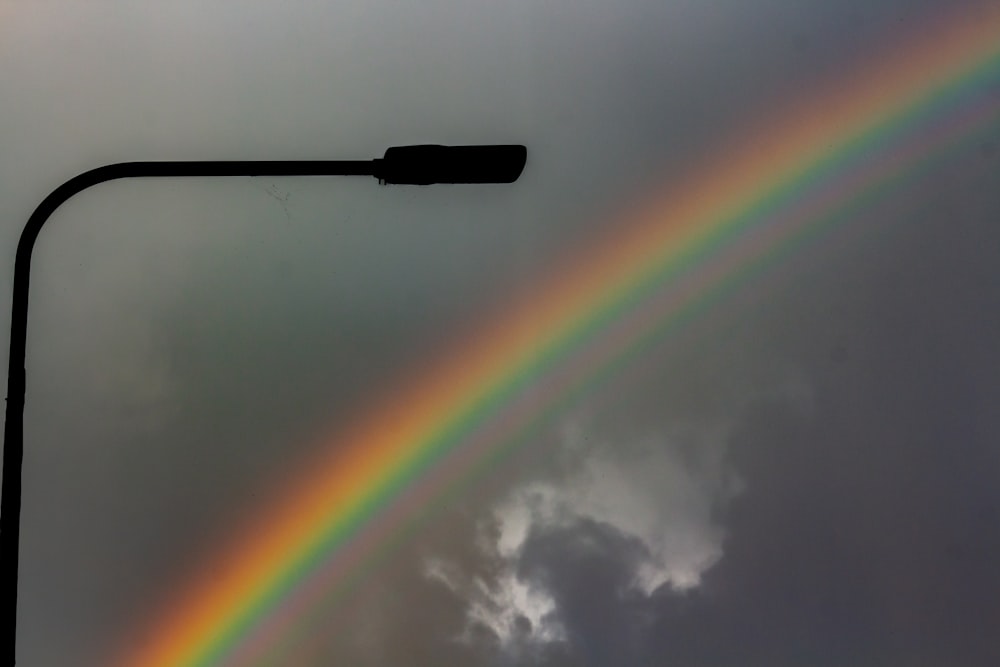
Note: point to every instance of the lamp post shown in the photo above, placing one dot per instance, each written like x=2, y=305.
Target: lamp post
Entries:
x=403, y=165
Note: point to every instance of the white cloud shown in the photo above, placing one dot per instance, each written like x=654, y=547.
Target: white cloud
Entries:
x=659, y=491
x=645, y=490
x=518, y=613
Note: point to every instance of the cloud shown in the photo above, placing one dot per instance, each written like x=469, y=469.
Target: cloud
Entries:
x=517, y=614
x=644, y=491
x=643, y=508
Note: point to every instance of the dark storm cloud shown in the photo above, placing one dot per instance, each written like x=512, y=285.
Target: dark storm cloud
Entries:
x=584, y=566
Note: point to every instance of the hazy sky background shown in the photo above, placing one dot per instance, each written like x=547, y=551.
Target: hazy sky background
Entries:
x=816, y=484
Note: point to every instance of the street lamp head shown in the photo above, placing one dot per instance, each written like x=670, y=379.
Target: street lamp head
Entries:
x=429, y=164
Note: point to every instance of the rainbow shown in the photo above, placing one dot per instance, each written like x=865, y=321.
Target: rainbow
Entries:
x=734, y=216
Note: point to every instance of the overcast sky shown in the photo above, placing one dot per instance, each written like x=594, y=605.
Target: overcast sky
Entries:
x=817, y=481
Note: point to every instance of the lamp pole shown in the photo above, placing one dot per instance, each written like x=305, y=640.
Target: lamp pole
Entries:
x=403, y=165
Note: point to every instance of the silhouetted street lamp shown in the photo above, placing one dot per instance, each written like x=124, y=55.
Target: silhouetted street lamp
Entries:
x=401, y=165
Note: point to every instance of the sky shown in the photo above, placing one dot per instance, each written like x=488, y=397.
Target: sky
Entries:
x=808, y=473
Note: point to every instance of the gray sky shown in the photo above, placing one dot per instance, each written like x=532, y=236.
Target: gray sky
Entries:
x=814, y=482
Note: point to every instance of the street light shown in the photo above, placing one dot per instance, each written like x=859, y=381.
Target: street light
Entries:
x=401, y=165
